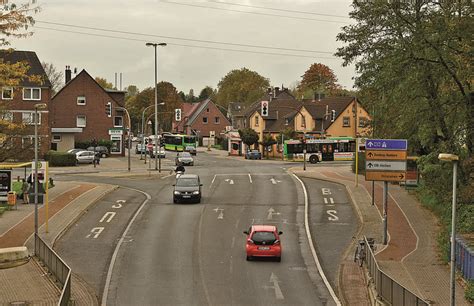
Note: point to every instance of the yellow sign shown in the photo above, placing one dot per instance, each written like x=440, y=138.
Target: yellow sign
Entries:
x=395, y=176
x=385, y=155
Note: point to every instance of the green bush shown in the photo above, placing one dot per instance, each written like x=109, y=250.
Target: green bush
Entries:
x=469, y=294
x=60, y=159
x=88, y=143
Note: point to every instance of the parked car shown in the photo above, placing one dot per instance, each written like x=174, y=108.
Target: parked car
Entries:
x=140, y=148
x=184, y=158
x=254, y=154
x=74, y=151
x=263, y=241
x=191, y=150
x=85, y=157
x=187, y=188
x=103, y=150
x=161, y=153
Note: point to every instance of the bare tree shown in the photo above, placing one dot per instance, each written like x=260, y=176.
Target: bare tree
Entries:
x=55, y=77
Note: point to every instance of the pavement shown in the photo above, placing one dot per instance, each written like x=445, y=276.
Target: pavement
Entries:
x=410, y=257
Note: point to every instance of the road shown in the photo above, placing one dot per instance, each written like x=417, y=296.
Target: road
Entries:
x=194, y=254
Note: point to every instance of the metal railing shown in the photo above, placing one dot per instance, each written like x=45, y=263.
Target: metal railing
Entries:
x=387, y=288
x=58, y=268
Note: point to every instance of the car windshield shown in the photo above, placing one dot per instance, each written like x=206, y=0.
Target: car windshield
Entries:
x=187, y=182
x=185, y=154
x=263, y=237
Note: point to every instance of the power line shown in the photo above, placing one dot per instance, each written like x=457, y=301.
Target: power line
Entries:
x=181, y=38
x=277, y=9
x=252, y=13
x=184, y=45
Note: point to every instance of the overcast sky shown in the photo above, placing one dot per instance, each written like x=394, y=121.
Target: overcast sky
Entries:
x=189, y=66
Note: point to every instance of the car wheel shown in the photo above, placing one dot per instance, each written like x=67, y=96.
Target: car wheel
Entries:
x=313, y=159
x=249, y=258
x=103, y=155
x=175, y=201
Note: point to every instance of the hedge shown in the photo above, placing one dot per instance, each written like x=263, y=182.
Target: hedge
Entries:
x=60, y=159
x=88, y=143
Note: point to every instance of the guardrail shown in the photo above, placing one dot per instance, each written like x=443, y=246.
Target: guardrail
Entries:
x=464, y=259
x=57, y=267
x=387, y=288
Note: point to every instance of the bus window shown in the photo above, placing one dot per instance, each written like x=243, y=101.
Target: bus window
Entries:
x=330, y=148
x=324, y=148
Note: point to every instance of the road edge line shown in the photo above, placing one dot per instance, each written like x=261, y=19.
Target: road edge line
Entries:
x=105, y=292
x=311, y=245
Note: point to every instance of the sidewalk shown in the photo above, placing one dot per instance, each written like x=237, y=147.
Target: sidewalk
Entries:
x=30, y=283
x=410, y=257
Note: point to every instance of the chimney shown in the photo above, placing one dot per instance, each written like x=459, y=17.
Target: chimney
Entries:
x=269, y=90
x=68, y=74
x=276, y=92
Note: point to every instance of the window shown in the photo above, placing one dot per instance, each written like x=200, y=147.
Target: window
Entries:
x=7, y=116
x=28, y=118
x=81, y=121
x=217, y=120
x=256, y=121
x=204, y=120
x=81, y=100
x=333, y=115
x=56, y=138
x=287, y=121
x=118, y=121
x=7, y=93
x=207, y=110
x=346, y=121
x=32, y=94
x=362, y=122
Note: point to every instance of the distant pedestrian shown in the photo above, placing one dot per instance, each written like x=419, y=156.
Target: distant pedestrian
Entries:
x=97, y=158
x=24, y=188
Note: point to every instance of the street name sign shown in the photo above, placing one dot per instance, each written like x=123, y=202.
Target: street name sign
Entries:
x=386, y=165
x=386, y=159
x=386, y=144
x=385, y=155
x=392, y=176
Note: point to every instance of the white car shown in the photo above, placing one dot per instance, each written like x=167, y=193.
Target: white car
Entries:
x=161, y=152
x=85, y=157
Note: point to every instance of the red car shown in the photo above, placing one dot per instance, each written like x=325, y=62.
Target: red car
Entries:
x=263, y=241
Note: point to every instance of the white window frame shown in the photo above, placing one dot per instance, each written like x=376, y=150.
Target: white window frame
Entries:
x=55, y=138
x=121, y=125
x=7, y=89
x=217, y=120
x=30, y=119
x=346, y=123
x=81, y=100
x=7, y=116
x=85, y=121
x=205, y=122
x=31, y=89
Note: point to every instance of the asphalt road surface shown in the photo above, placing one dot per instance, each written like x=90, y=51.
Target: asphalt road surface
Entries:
x=194, y=254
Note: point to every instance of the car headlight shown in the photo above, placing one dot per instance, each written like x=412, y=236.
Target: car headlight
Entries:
x=177, y=193
x=196, y=192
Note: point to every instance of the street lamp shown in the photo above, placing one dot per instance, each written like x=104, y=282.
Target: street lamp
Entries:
x=37, y=106
x=454, y=159
x=156, y=98
x=143, y=133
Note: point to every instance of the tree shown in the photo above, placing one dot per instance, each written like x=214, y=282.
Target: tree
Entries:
x=16, y=19
x=248, y=136
x=103, y=82
x=319, y=78
x=243, y=85
x=206, y=92
x=267, y=141
x=287, y=134
x=55, y=77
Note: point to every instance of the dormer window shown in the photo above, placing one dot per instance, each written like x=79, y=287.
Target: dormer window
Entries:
x=81, y=100
x=33, y=94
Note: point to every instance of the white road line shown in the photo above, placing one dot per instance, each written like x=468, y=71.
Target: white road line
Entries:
x=278, y=293
x=213, y=179
x=325, y=200
x=311, y=245
x=331, y=200
x=114, y=256
x=250, y=178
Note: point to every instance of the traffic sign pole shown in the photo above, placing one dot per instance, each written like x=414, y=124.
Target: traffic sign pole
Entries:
x=385, y=214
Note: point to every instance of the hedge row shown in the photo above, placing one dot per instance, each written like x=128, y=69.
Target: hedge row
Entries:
x=60, y=159
x=88, y=143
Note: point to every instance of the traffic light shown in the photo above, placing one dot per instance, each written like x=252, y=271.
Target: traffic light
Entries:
x=108, y=109
x=177, y=114
x=264, y=108
x=162, y=142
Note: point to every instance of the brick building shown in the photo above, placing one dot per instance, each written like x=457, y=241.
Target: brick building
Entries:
x=18, y=102
x=79, y=113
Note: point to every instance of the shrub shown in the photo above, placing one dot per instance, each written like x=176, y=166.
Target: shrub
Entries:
x=60, y=159
x=469, y=294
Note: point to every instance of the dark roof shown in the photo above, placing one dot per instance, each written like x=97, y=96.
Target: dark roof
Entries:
x=13, y=56
x=271, y=96
x=279, y=112
x=317, y=108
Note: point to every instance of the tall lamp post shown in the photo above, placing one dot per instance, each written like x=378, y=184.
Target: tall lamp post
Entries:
x=454, y=159
x=156, y=99
x=37, y=106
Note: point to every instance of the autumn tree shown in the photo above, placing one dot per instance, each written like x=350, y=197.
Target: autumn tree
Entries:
x=104, y=83
x=242, y=85
x=206, y=92
x=319, y=78
x=248, y=136
x=55, y=76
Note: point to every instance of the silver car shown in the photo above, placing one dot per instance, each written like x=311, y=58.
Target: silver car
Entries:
x=85, y=157
x=184, y=158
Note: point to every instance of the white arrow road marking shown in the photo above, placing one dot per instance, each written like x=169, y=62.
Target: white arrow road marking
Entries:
x=278, y=293
x=220, y=211
x=96, y=232
x=274, y=181
x=271, y=212
x=119, y=204
x=332, y=215
x=221, y=215
x=230, y=181
x=250, y=178
x=109, y=216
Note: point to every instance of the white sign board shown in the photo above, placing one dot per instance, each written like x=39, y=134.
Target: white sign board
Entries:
x=386, y=165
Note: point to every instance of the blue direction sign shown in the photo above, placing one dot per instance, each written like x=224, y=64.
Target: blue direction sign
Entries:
x=386, y=144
